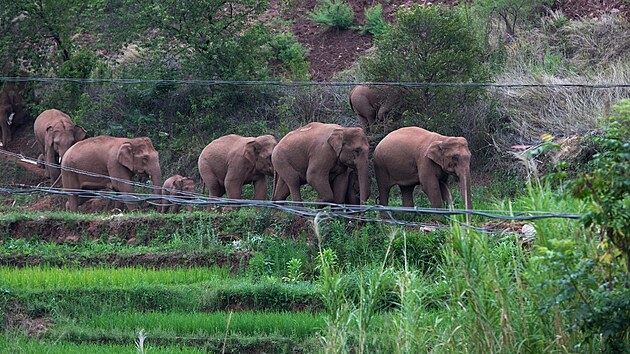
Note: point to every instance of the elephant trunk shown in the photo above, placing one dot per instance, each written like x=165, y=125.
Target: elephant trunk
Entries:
x=364, y=183
x=464, y=188
x=156, y=179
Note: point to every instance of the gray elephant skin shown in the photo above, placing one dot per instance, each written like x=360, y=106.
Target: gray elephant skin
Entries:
x=413, y=156
x=321, y=155
x=11, y=110
x=373, y=103
x=119, y=158
x=55, y=134
x=231, y=161
x=172, y=186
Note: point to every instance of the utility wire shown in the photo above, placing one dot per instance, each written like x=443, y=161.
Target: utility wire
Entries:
x=304, y=209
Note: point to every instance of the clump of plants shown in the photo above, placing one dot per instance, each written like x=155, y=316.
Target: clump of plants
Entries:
x=374, y=22
x=333, y=13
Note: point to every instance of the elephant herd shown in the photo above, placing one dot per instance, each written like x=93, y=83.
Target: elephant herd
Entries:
x=332, y=159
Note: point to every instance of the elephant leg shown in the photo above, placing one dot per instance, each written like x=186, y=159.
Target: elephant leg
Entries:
x=434, y=192
x=215, y=189
x=407, y=196
x=280, y=189
x=73, y=203
x=234, y=188
x=321, y=184
x=340, y=187
x=175, y=208
x=446, y=194
x=260, y=189
x=292, y=180
x=165, y=204
x=40, y=161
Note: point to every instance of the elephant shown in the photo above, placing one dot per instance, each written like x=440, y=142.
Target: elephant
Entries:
x=55, y=133
x=372, y=103
x=413, y=156
x=118, y=158
x=321, y=154
x=171, y=186
x=231, y=161
x=11, y=110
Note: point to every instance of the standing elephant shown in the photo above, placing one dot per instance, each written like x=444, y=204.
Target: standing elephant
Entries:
x=414, y=156
x=372, y=103
x=55, y=133
x=320, y=155
x=11, y=110
x=118, y=158
x=174, y=184
x=231, y=161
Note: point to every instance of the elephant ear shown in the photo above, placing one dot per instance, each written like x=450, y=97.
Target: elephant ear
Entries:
x=125, y=155
x=79, y=133
x=335, y=140
x=435, y=153
x=178, y=184
x=252, y=149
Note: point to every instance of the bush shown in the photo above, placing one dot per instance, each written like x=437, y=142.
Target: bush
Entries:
x=374, y=22
x=431, y=44
x=333, y=13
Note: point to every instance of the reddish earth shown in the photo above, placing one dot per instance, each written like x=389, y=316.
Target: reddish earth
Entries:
x=332, y=51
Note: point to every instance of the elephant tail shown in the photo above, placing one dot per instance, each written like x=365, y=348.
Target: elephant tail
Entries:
x=350, y=99
x=275, y=184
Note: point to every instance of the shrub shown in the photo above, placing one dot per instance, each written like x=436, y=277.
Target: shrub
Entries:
x=333, y=13
x=431, y=44
x=607, y=186
x=374, y=22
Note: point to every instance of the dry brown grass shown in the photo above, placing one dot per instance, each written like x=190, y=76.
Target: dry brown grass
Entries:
x=592, y=52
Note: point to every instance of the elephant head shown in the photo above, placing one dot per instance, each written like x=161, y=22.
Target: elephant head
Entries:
x=351, y=148
x=453, y=156
x=185, y=184
x=60, y=137
x=258, y=153
x=140, y=157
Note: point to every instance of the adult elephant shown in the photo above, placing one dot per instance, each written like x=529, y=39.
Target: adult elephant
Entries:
x=413, y=156
x=231, y=161
x=321, y=154
x=55, y=134
x=11, y=110
x=118, y=158
x=372, y=103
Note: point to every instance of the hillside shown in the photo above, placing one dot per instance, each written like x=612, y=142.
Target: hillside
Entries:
x=331, y=50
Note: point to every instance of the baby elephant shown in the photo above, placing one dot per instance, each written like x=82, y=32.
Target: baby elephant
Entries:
x=174, y=184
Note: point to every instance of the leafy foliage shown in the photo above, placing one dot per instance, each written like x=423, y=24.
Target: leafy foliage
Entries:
x=374, y=22
x=430, y=44
x=607, y=186
x=333, y=13
x=511, y=13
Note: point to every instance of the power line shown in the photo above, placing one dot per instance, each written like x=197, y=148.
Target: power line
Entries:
x=305, y=209
x=313, y=83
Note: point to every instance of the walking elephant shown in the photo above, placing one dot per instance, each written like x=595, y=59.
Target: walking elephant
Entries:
x=321, y=154
x=231, y=161
x=414, y=156
x=117, y=158
x=172, y=186
x=11, y=110
x=55, y=133
x=372, y=103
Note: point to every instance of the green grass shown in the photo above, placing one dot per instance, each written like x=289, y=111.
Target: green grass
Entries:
x=11, y=344
x=287, y=324
x=45, y=278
